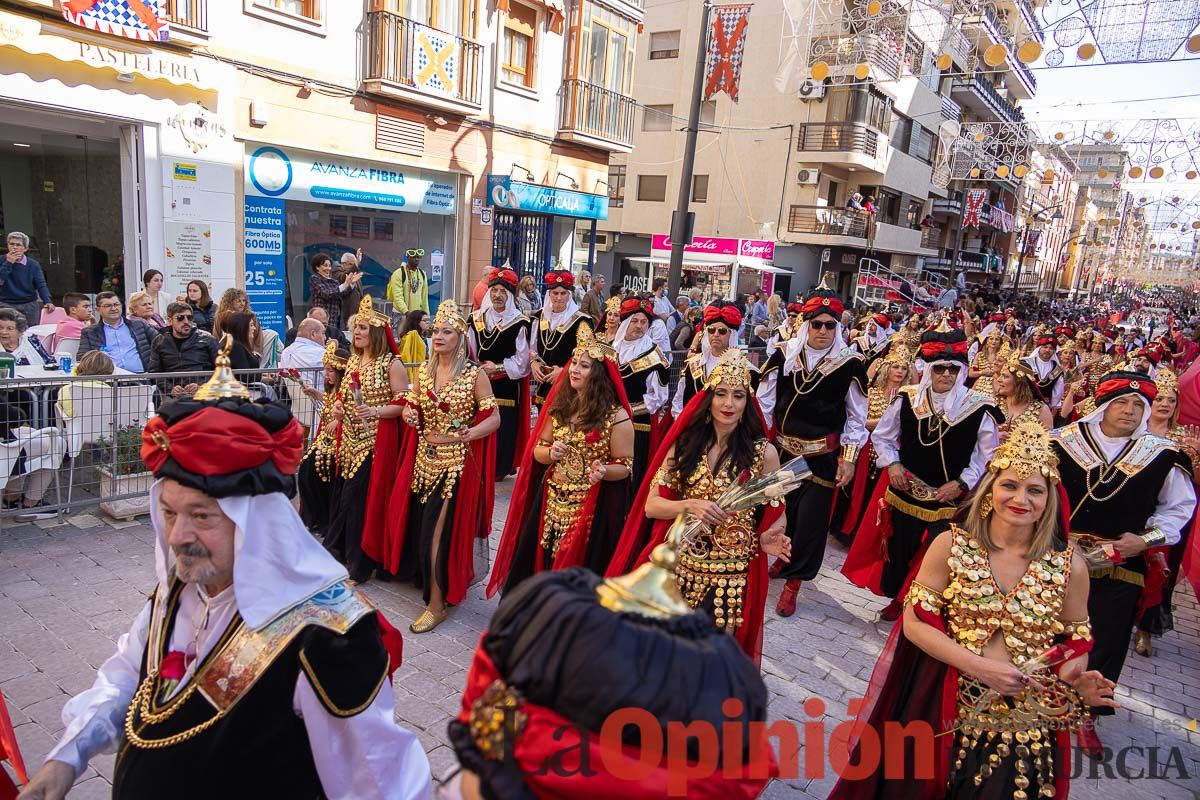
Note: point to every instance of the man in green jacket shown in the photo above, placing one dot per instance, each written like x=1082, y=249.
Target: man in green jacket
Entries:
x=408, y=288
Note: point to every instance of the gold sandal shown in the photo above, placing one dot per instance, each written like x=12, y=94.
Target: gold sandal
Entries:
x=1142, y=644
x=428, y=621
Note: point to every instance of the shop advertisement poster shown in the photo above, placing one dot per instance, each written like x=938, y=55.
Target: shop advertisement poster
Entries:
x=188, y=255
x=287, y=174
x=266, y=272
x=437, y=260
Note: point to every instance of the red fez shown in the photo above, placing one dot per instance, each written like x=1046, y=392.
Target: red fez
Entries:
x=1117, y=384
x=882, y=320
x=1065, y=330
x=795, y=308
x=502, y=276
x=559, y=278
x=633, y=305
x=724, y=313
x=823, y=302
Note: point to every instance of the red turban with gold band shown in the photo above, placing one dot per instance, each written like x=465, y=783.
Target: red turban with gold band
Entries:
x=723, y=312
x=1117, y=384
x=822, y=301
x=633, y=306
x=555, y=278
x=503, y=276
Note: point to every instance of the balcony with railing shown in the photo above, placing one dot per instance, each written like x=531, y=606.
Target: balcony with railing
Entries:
x=825, y=224
x=979, y=95
x=838, y=137
x=1025, y=76
x=596, y=116
x=845, y=52
x=190, y=15
x=931, y=237
x=415, y=62
x=1029, y=17
x=946, y=207
x=950, y=109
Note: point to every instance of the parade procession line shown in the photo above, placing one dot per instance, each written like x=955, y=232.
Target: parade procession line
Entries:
x=69, y=589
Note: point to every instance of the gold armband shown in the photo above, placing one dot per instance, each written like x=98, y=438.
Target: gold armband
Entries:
x=1153, y=537
x=627, y=463
x=926, y=598
x=1079, y=629
x=849, y=453
x=487, y=402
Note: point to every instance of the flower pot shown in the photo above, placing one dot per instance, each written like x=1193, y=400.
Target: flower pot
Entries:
x=126, y=496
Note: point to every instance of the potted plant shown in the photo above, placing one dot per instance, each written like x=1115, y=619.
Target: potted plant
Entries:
x=124, y=479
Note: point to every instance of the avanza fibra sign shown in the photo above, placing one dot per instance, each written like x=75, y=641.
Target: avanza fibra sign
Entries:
x=504, y=192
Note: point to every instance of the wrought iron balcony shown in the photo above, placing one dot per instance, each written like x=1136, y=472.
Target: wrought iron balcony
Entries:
x=838, y=137
x=417, y=62
x=951, y=110
x=827, y=221
x=987, y=97
x=596, y=115
x=189, y=14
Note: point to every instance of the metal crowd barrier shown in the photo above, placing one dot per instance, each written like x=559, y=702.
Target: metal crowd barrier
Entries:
x=79, y=443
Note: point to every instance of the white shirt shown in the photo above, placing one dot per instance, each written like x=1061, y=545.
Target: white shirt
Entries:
x=656, y=396
x=854, y=431
x=663, y=307
x=516, y=366
x=1176, y=498
x=658, y=332
x=1044, y=368
x=364, y=756
x=886, y=437
x=305, y=355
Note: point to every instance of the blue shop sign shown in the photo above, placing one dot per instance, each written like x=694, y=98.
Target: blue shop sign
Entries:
x=504, y=192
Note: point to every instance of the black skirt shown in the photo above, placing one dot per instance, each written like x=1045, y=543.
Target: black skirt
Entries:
x=417, y=561
x=347, y=514
x=316, y=495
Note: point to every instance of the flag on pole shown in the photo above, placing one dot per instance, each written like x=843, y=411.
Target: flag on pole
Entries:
x=145, y=20
x=726, y=44
x=974, y=209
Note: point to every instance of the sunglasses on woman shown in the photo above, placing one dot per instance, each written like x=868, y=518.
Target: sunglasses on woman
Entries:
x=817, y=325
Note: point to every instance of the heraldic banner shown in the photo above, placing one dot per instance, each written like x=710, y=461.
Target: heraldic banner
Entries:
x=726, y=44
x=145, y=20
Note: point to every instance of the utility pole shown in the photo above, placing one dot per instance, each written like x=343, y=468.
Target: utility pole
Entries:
x=680, y=229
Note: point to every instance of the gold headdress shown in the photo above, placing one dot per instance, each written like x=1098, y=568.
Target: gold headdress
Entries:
x=612, y=305
x=587, y=344
x=448, y=314
x=1016, y=366
x=1166, y=380
x=732, y=370
x=898, y=354
x=367, y=312
x=331, y=359
x=1027, y=451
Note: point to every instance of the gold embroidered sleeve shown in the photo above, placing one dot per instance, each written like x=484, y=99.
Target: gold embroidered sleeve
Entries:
x=921, y=595
x=1078, y=629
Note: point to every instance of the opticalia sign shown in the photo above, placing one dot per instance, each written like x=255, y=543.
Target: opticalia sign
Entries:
x=273, y=171
x=504, y=192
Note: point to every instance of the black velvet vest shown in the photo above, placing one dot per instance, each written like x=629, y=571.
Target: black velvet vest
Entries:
x=555, y=346
x=636, y=373
x=811, y=405
x=495, y=346
x=939, y=460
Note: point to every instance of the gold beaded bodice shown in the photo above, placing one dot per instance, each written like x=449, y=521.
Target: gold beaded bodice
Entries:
x=1032, y=413
x=717, y=561
x=1095, y=370
x=984, y=382
x=1027, y=616
x=443, y=414
x=358, y=436
x=878, y=399
x=567, y=482
x=323, y=448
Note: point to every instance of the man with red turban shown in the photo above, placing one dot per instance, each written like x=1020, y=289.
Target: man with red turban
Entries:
x=643, y=369
x=718, y=333
x=814, y=389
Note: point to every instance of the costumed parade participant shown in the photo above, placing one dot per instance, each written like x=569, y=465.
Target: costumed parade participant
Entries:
x=875, y=339
x=254, y=670
x=440, y=505
x=1127, y=491
x=556, y=328
x=644, y=375
x=572, y=493
x=983, y=367
x=365, y=411
x=718, y=438
x=1146, y=359
x=814, y=389
x=788, y=329
x=992, y=648
x=1016, y=396
x=318, y=470
x=934, y=441
x=408, y=287
x=718, y=334
x=895, y=371
x=1158, y=594
x=1043, y=361
x=567, y=651
x=612, y=320
x=499, y=342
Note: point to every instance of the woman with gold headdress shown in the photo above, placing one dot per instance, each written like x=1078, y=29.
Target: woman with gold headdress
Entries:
x=440, y=506
x=314, y=481
x=1157, y=602
x=896, y=371
x=991, y=649
x=719, y=437
x=572, y=492
x=612, y=320
x=983, y=366
x=365, y=410
x=1013, y=386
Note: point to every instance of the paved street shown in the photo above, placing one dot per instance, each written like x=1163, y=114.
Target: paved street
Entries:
x=69, y=589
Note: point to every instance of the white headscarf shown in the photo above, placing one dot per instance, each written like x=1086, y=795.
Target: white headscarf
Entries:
x=1097, y=417
x=554, y=319
x=957, y=392
x=627, y=351
x=277, y=564
x=492, y=317
x=794, y=346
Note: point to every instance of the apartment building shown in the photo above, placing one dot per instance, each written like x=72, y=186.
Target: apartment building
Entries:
x=256, y=133
x=1046, y=201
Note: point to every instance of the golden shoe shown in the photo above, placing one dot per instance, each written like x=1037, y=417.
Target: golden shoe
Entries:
x=1142, y=644
x=428, y=621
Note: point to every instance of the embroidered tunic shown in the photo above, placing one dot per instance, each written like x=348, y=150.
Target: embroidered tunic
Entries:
x=443, y=415
x=323, y=448
x=567, y=481
x=357, y=435
x=1032, y=413
x=717, y=561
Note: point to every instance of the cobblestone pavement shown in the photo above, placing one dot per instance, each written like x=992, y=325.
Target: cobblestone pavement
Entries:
x=69, y=589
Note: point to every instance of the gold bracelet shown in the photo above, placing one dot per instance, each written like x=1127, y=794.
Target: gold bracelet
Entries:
x=849, y=453
x=1153, y=537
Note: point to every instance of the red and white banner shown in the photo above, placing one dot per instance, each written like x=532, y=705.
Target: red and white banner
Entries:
x=974, y=209
x=726, y=45
x=145, y=20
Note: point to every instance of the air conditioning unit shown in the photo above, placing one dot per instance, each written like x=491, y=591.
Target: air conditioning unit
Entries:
x=812, y=90
x=808, y=177
x=605, y=241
